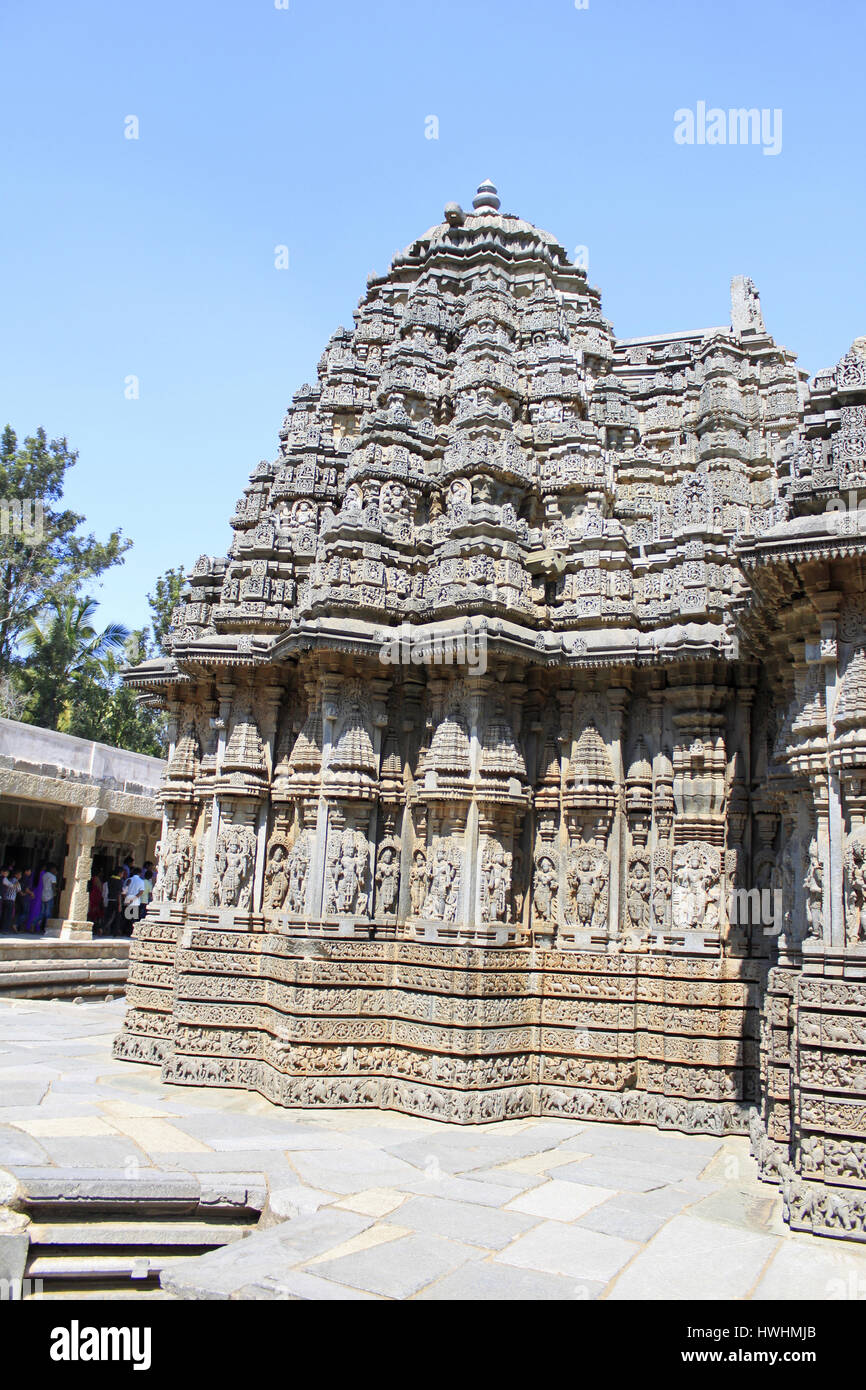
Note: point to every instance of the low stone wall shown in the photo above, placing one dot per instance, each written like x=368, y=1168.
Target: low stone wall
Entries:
x=467, y=1035
x=52, y=969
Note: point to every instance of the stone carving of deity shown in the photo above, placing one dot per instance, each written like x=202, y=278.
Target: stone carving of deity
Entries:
x=443, y=890
x=696, y=887
x=234, y=862
x=418, y=882
x=813, y=884
x=587, y=875
x=174, y=879
x=276, y=878
x=638, y=891
x=495, y=883
x=661, y=896
x=855, y=892
x=298, y=869
x=387, y=879
x=546, y=887
x=348, y=874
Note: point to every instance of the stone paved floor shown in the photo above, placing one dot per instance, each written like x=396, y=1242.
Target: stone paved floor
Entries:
x=369, y=1204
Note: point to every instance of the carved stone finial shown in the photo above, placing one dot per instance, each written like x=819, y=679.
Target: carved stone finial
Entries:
x=746, y=316
x=486, y=198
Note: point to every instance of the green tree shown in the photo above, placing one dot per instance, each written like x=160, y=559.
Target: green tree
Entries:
x=50, y=564
x=108, y=711
x=166, y=594
x=65, y=654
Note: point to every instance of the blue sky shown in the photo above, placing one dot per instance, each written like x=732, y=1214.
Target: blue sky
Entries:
x=306, y=127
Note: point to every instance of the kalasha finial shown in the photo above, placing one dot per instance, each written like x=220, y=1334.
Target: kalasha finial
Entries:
x=486, y=198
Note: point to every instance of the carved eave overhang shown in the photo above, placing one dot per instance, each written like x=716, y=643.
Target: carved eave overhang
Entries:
x=154, y=676
x=229, y=649
x=830, y=535
x=590, y=647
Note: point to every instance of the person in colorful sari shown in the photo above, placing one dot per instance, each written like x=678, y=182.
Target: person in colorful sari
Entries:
x=34, y=916
x=96, y=905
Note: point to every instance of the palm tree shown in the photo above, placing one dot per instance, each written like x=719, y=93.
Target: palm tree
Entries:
x=64, y=647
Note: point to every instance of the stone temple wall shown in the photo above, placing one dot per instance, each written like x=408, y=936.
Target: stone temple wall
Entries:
x=464, y=1034
x=519, y=742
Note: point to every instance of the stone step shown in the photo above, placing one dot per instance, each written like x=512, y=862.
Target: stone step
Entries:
x=87, y=1265
x=40, y=968
x=21, y=972
x=133, y=1233
x=102, y=1290
x=42, y=946
x=70, y=1196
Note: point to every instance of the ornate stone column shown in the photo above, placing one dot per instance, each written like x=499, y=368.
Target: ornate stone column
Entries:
x=73, y=904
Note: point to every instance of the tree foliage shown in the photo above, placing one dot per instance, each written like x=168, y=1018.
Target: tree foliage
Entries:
x=39, y=571
x=166, y=595
x=58, y=667
x=65, y=654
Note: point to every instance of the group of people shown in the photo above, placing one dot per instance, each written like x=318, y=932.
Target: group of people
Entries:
x=117, y=899
x=120, y=898
x=26, y=898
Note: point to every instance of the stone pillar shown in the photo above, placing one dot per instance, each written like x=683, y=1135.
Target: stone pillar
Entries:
x=73, y=905
x=225, y=690
x=618, y=699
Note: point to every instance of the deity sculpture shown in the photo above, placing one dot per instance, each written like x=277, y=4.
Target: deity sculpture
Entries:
x=546, y=887
x=814, y=888
x=298, y=869
x=174, y=880
x=234, y=861
x=348, y=873
x=696, y=887
x=587, y=876
x=443, y=889
x=276, y=878
x=387, y=879
x=855, y=891
x=638, y=893
x=495, y=883
x=418, y=882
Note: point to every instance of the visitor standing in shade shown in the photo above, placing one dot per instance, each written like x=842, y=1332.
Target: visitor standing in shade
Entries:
x=113, y=893
x=49, y=883
x=10, y=887
x=132, y=901
x=25, y=901
x=146, y=892
x=96, y=906
x=34, y=916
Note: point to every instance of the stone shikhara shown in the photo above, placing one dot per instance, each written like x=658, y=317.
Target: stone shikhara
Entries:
x=476, y=892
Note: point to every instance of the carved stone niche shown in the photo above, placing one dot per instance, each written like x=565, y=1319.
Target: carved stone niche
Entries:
x=589, y=799
x=700, y=764
x=589, y=802
x=175, y=853
x=234, y=864
x=441, y=887
x=639, y=793
x=347, y=869
x=696, y=894
x=586, y=897
x=546, y=879
x=502, y=797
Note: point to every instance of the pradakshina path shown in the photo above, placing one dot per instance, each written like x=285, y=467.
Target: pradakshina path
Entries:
x=518, y=762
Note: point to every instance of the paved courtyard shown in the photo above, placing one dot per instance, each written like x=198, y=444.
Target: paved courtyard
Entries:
x=378, y=1205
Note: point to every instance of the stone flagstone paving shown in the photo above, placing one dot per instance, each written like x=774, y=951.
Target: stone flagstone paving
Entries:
x=364, y=1204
